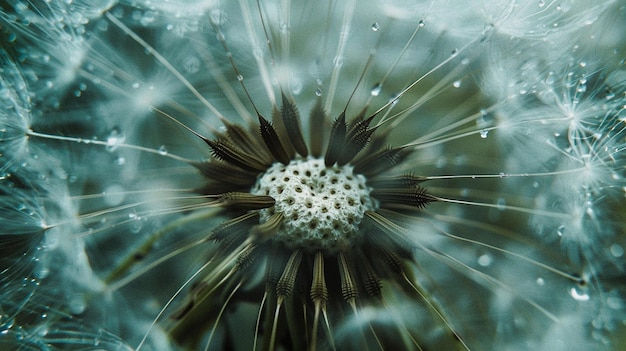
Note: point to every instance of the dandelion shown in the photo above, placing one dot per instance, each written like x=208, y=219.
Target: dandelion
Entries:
x=276, y=175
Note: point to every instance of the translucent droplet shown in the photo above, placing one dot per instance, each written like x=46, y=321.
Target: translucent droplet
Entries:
x=454, y=52
x=560, y=230
x=501, y=204
x=136, y=222
x=375, y=26
x=540, y=281
x=394, y=99
x=376, y=89
x=484, y=133
x=542, y=3
x=42, y=272
x=120, y=161
x=579, y=293
x=114, y=195
x=318, y=92
x=191, y=64
x=485, y=119
x=77, y=304
x=456, y=84
x=296, y=86
x=617, y=250
x=240, y=77
x=115, y=139
x=6, y=325
x=485, y=260
x=42, y=331
x=162, y=150
x=421, y=23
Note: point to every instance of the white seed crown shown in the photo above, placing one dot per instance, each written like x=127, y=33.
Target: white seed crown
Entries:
x=322, y=206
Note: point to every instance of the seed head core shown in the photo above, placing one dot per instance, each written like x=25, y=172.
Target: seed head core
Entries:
x=322, y=206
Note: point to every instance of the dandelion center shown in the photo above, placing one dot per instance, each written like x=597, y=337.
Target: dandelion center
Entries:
x=322, y=206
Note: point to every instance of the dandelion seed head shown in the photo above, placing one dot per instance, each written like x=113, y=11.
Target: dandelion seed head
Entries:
x=323, y=206
x=290, y=175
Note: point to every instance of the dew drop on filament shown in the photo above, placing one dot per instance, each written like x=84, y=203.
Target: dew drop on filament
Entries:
x=579, y=294
x=115, y=139
x=376, y=89
x=375, y=27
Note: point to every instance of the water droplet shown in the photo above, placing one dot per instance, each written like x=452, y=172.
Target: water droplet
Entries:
x=394, y=99
x=617, y=250
x=560, y=230
x=77, y=304
x=120, y=161
x=136, y=224
x=485, y=119
x=454, y=52
x=240, y=77
x=6, y=324
x=375, y=26
x=318, y=92
x=582, y=64
x=42, y=272
x=501, y=204
x=579, y=293
x=191, y=64
x=421, y=23
x=114, y=195
x=542, y=3
x=456, y=84
x=540, y=281
x=609, y=94
x=296, y=86
x=115, y=139
x=485, y=260
x=376, y=89
x=484, y=133
x=162, y=150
